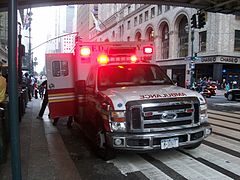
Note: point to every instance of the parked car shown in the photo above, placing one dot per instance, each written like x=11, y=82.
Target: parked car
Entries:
x=232, y=94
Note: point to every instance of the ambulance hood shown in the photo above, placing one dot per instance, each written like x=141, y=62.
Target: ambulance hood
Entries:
x=121, y=95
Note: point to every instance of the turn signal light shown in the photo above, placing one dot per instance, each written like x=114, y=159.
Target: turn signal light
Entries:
x=102, y=59
x=85, y=51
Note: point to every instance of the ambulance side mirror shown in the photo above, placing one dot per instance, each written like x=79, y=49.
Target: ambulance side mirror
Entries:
x=81, y=86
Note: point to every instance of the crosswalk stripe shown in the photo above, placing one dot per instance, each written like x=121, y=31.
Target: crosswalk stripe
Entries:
x=225, y=142
x=228, y=132
x=163, y=167
x=128, y=163
x=234, y=115
x=236, y=112
x=223, y=118
x=187, y=166
x=228, y=125
x=222, y=159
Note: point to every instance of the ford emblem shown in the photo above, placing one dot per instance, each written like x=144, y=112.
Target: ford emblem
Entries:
x=169, y=115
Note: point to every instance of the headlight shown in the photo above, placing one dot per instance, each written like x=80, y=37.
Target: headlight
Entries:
x=118, y=121
x=203, y=113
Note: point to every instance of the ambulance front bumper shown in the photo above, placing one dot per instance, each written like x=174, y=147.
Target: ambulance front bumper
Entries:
x=159, y=140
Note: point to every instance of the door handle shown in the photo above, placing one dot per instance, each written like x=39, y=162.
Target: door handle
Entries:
x=51, y=86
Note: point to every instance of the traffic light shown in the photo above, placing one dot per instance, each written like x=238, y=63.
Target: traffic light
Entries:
x=194, y=21
x=201, y=20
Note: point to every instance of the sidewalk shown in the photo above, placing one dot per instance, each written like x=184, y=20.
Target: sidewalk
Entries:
x=43, y=153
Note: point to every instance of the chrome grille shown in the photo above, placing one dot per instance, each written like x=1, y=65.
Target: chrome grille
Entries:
x=162, y=115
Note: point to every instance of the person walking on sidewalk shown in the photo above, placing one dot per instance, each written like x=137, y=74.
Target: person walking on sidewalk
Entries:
x=3, y=87
x=45, y=100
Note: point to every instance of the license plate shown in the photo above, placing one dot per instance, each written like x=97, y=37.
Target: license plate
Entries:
x=169, y=143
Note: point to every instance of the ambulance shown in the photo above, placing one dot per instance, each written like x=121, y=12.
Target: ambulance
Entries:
x=123, y=100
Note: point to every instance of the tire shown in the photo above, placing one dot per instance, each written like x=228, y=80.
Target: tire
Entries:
x=194, y=146
x=230, y=97
x=102, y=149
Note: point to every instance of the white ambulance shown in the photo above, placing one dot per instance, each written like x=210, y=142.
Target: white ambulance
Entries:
x=123, y=101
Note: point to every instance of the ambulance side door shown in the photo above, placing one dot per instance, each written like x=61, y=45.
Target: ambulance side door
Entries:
x=60, y=84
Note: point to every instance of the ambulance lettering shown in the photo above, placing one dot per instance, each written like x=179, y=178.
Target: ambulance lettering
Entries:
x=154, y=96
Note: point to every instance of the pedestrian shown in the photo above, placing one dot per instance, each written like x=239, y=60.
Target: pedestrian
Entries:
x=45, y=101
x=28, y=85
x=3, y=87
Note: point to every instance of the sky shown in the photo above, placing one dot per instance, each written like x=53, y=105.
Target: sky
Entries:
x=42, y=24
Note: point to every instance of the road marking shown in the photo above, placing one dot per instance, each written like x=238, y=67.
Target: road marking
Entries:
x=128, y=163
x=227, y=132
x=233, y=115
x=219, y=158
x=225, y=142
x=187, y=166
x=228, y=125
x=236, y=104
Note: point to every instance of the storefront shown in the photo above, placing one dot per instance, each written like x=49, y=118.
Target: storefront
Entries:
x=219, y=68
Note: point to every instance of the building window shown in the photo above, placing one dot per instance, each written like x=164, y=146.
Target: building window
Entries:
x=140, y=18
x=165, y=42
x=129, y=9
x=167, y=8
x=135, y=21
x=60, y=68
x=159, y=9
x=237, y=40
x=183, y=37
x=137, y=6
x=146, y=15
x=202, y=41
x=129, y=24
x=152, y=12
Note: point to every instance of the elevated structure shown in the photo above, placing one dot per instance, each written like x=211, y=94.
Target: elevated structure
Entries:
x=221, y=6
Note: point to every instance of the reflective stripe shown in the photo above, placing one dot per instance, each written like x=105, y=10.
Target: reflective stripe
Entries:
x=61, y=100
x=60, y=94
x=61, y=97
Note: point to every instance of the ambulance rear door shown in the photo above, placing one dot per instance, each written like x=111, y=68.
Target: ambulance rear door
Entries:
x=61, y=95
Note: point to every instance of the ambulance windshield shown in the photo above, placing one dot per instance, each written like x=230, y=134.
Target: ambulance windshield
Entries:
x=131, y=75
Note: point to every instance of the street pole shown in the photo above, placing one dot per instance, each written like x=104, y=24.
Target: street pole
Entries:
x=192, y=59
x=29, y=48
x=19, y=55
x=13, y=91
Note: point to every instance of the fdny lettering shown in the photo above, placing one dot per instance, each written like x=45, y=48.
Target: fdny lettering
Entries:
x=154, y=96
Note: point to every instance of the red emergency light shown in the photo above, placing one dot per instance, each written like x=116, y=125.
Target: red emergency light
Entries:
x=148, y=50
x=85, y=51
x=102, y=59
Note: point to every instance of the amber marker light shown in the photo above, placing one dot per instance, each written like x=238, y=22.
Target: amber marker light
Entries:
x=102, y=59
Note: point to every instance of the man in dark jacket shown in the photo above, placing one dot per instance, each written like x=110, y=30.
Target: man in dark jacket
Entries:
x=45, y=100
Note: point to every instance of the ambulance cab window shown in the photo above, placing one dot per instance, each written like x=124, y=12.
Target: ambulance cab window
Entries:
x=60, y=68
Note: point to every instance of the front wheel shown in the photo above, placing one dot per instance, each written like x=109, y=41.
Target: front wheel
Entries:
x=102, y=149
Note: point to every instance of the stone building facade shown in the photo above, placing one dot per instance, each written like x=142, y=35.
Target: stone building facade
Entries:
x=217, y=45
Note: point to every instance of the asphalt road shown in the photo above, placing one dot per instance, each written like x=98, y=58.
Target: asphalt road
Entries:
x=219, y=102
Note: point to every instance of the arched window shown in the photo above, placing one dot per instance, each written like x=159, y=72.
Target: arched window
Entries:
x=138, y=36
x=113, y=35
x=183, y=37
x=150, y=34
x=165, y=42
